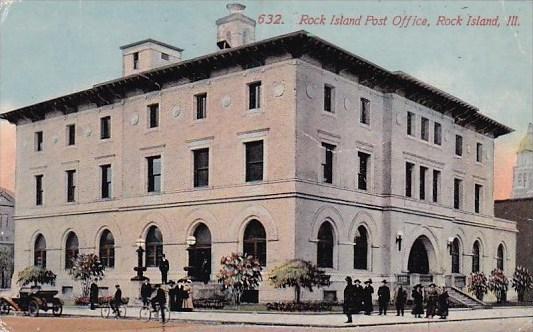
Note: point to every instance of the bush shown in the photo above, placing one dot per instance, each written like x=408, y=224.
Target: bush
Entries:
x=498, y=284
x=297, y=307
x=522, y=281
x=239, y=273
x=86, y=268
x=478, y=284
x=36, y=275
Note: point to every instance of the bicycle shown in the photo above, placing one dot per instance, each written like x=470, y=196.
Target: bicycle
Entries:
x=106, y=309
x=146, y=313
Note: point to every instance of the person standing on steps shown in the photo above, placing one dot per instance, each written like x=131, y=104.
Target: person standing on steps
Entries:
x=164, y=266
x=383, y=298
x=367, y=297
x=399, y=300
x=349, y=299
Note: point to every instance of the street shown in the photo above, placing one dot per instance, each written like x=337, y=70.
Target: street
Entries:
x=49, y=324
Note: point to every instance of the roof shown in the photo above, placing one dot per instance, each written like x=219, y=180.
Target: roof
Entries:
x=526, y=144
x=150, y=40
x=297, y=44
x=7, y=194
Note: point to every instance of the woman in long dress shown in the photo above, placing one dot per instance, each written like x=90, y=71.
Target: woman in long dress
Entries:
x=418, y=299
x=187, y=296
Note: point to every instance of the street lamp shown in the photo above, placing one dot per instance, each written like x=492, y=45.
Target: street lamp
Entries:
x=399, y=237
x=449, y=244
x=139, y=268
x=191, y=240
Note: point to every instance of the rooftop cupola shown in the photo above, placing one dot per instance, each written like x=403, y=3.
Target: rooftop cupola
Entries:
x=235, y=29
x=147, y=54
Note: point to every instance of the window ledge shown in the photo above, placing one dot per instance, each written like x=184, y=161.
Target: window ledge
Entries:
x=328, y=113
x=151, y=130
x=364, y=125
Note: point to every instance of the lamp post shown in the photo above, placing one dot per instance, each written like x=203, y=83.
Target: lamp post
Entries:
x=449, y=244
x=139, y=268
x=191, y=241
x=399, y=237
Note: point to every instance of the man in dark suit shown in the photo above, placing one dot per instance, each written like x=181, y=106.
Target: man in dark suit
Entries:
x=146, y=291
x=349, y=299
x=117, y=300
x=161, y=299
x=358, y=296
x=164, y=266
x=383, y=298
x=93, y=294
x=399, y=300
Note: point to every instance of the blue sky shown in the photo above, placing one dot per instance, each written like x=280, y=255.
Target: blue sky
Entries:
x=50, y=48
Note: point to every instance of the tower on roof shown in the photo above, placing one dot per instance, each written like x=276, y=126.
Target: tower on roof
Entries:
x=148, y=54
x=235, y=29
x=523, y=171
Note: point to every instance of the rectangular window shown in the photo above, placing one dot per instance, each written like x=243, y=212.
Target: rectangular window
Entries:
x=457, y=193
x=327, y=163
x=38, y=141
x=436, y=185
x=254, y=95
x=410, y=124
x=105, y=171
x=458, y=145
x=201, y=106
x=105, y=127
x=153, y=116
x=478, y=192
x=424, y=129
x=328, y=98
x=254, y=161
x=479, y=152
x=362, y=178
x=71, y=185
x=164, y=56
x=39, y=190
x=201, y=167
x=71, y=134
x=409, y=179
x=422, y=189
x=365, y=111
x=136, y=60
x=154, y=174
x=437, y=133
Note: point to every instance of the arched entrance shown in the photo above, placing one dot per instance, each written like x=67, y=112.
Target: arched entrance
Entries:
x=200, y=255
x=420, y=255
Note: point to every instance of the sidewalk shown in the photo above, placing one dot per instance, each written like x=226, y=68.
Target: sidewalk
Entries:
x=318, y=320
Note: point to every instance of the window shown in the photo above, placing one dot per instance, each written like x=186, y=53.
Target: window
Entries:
x=362, y=176
x=455, y=253
x=254, y=242
x=410, y=124
x=153, y=116
x=436, y=185
x=200, y=255
x=479, y=152
x=422, y=189
x=254, y=95
x=105, y=127
x=164, y=56
x=71, y=134
x=328, y=98
x=201, y=167
x=38, y=141
x=325, y=245
x=409, y=179
x=39, y=252
x=71, y=185
x=478, y=192
x=457, y=193
x=437, y=133
x=71, y=250
x=201, y=106
x=136, y=60
x=107, y=249
x=475, y=257
x=105, y=171
x=39, y=190
x=327, y=163
x=499, y=257
x=154, y=247
x=458, y=145
x=254, y=161
x=360, y=249
x=424, y=129
x=365, y=111
x=154, y=174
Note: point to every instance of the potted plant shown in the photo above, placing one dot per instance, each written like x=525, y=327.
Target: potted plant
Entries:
x=498, y=284
x=522, y=281
x=36, y=275
x=478, y=284
x=239, y=273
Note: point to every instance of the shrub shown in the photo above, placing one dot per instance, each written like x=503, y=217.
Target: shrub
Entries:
x=478, y=284
x=239, y=273
x=498, y=284
x=86, y=268
x=522, y=281
x=36, y=275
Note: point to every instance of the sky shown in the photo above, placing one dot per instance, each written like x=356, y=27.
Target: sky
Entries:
x=51, y=48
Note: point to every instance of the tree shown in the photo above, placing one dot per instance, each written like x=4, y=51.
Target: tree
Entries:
x=86, y=267
x=478, y=284
x=299, y=274
x=36, y=275
x=498, y=284
x=522, y=281
x=239, y=273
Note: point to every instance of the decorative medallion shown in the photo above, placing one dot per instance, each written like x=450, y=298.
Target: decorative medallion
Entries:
x=398, y=119
x=134, y=119
x=310, y=90
x=347, y=103
x=226, y=101
x=176, y=111
x=279, y=89
x=55, y=139
x=88, y=132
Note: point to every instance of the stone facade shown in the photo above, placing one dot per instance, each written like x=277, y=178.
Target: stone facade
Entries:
x=523, y=171
x=7, y=155
x=7, y=235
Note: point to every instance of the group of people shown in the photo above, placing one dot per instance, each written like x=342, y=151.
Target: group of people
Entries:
x=359, y=299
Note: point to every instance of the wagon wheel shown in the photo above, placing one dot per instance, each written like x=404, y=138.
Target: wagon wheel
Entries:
x=57, y=309
x=33, y=308
x=5, y=308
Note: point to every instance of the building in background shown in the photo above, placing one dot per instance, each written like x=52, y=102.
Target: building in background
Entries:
x=523, y=171
x=289, y=147
x=7, y=235
x=7, y=155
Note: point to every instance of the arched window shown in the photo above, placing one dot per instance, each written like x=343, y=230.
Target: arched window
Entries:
x=39, y=250
x=499, y=257
x=71, y=249
x=325, y=245
x=200, y=255
x=107, y=249
x=455, y=255
x=475, y=257
x=254, y=242
x=360, y=249
x=154, y=246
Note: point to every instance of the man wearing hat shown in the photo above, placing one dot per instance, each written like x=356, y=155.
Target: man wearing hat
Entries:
x=164, y=266
x=349, y=299
x=383, y=297
x=432, y=297
x=399, y=300
x=358, y=296
x=117, y=300
x=367, y=297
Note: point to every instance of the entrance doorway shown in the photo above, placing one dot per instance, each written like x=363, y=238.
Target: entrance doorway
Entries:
x=418, y=256
x=199, y=268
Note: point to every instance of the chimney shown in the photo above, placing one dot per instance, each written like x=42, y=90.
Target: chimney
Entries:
x=235, y=29
x=147, y=54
